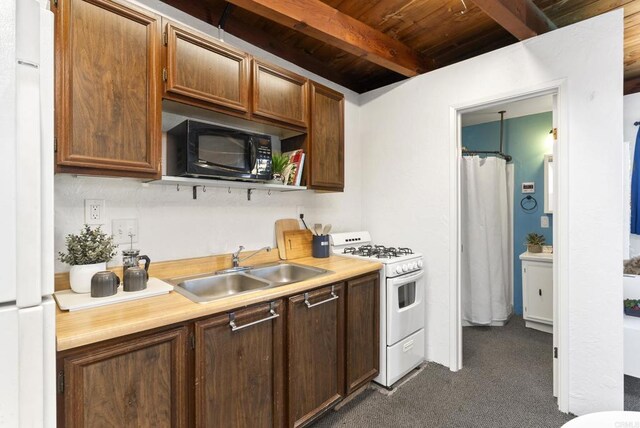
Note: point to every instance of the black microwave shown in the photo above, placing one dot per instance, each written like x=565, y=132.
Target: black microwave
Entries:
x=196, y=149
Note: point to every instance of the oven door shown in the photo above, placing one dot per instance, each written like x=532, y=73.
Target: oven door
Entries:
x=220, y=153
x=405, y=306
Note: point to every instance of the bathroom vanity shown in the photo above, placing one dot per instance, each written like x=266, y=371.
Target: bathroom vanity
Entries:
x=537, y=290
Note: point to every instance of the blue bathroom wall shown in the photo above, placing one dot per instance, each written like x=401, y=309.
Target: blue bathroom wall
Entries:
x=526, y=139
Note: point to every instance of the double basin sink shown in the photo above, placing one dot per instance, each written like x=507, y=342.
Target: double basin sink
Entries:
x=205, y=288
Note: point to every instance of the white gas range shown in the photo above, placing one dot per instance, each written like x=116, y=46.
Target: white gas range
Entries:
x=402, y=310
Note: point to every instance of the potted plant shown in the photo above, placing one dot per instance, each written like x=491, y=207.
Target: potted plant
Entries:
x=534, y=242
x=632, y=307
x=279, y=162
x=87, y=253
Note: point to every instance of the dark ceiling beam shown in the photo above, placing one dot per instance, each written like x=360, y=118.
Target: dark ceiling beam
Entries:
x=632, y=85
x=522, y=18
x=322, y=22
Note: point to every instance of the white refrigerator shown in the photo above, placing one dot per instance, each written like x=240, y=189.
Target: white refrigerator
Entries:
x=27, y=311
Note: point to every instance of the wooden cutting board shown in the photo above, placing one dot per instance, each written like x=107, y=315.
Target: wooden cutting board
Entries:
x=298, y=244
x=281, y=227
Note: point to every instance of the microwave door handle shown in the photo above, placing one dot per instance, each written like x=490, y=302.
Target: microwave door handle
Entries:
x=254, y=156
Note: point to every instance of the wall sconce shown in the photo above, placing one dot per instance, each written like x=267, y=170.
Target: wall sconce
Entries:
x=548, y=143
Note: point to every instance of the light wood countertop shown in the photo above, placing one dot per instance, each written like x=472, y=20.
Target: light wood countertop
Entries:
x=84, y=327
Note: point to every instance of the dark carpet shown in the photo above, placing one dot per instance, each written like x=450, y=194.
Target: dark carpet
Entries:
x=632, y=393
x=506, y=382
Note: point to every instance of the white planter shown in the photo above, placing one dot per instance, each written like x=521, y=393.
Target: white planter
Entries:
x=80, y=276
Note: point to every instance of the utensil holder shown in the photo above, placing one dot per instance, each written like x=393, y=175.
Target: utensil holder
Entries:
x=320, y=246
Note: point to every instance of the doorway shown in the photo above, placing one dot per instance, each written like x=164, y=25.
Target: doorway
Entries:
x=522, y=203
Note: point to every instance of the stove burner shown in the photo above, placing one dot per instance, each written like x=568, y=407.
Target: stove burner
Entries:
x=378, y=251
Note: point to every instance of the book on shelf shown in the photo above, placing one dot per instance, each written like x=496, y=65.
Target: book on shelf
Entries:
x=296, y=158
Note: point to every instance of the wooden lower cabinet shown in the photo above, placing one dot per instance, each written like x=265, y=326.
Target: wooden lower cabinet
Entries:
x=239, y=369
x=315, y=353
x=137, y=383
x=275, y=364
x=362, y=330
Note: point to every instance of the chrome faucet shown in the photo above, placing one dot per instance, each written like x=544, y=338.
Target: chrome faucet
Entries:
x=235, y=260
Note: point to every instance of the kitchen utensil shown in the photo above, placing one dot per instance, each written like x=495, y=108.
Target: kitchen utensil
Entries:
x=317, y=229
x=281, y=227
x=131, y=258
x=104, y=283
x=298, y=243
x=135, y=279
x=320, y=246
x=326, y=229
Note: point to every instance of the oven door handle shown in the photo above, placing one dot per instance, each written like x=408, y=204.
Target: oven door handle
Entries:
x=400, y=280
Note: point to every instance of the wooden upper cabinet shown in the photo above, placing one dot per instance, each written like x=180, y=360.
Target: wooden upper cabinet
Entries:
x=239, y=368
x=279, y=95
x=108, y=87
x=203, y=69
x=315, y=353
x=362, y=331
x=138, y=382
x=326, y=139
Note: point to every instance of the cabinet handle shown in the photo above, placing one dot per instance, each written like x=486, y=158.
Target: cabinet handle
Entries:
x=234, y=327
x=540, y=292
x=334, y=296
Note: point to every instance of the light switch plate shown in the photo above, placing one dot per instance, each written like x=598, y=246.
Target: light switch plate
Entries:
x=94, y=212
x=544, y=222
x=121, y=229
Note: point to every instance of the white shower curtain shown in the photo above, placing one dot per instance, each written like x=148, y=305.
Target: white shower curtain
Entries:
x=486, y=240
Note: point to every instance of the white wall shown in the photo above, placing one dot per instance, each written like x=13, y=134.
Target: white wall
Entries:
x=172, y=225
x=631, y=115
x=407, y=127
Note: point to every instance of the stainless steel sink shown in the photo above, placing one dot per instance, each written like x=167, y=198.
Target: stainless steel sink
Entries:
x=208, y=288
x=286, y=273
x=205, y=288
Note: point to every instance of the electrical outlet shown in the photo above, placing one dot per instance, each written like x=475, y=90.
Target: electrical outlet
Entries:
x=94, y=211
x=300, y=210
x=123, y=228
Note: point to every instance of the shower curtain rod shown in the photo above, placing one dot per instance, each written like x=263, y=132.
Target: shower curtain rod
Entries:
x=504, y=156
x=498, y=153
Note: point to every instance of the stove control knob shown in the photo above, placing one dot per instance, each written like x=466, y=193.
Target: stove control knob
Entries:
x=399, y=269
x=414, y=265
x=405, y=268
x=420, y=263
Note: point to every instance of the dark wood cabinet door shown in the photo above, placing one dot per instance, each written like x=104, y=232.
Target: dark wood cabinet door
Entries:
x=326, y=139
x=362, y=331
x=315, y=354
x=279, y=95
x=239, y=374
x=108, y=88
x=139, y=382
x=204, y=69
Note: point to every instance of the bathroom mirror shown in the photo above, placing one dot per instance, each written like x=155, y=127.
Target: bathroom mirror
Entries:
x=548, y=184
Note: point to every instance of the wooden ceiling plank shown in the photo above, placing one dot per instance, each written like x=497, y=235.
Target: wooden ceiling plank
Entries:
x=319, y=20
x=522, y=18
